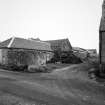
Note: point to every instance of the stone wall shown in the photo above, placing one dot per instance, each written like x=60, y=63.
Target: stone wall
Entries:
x=0, y=55
x=3, y=56
x=24, y=57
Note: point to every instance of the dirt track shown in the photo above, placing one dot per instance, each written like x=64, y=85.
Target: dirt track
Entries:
x=70, y=86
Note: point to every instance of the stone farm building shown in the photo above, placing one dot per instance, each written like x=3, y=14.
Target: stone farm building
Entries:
x=62, y=45
x=62, y=50
x=19, y=51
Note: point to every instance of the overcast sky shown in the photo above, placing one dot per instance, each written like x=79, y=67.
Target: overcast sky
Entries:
x=77, y=20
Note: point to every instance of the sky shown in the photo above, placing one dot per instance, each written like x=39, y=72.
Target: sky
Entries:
x=77, y=20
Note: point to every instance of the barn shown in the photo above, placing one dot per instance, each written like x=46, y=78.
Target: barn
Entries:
x=62, y=45
x=19, y=51
x=63, y=51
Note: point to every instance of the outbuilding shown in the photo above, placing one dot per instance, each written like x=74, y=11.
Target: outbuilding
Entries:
x=19, y=51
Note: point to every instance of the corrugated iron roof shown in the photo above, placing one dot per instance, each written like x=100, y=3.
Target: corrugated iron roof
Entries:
x=78, y=49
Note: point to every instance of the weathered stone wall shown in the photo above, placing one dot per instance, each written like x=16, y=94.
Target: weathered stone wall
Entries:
x=24, y=57
x=0, y=55
x=3, y=56
x=27, y=57
x=49, y=56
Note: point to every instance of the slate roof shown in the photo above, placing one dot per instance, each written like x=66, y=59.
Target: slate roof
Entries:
x=15, y=42
x=60, y=44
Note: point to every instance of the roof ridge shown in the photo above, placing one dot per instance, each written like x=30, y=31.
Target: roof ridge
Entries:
x=38, y=41
x=56, y=40
x=41, y=41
